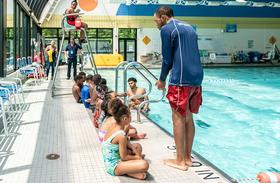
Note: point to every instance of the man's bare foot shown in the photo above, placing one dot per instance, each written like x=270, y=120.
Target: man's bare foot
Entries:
x=188, y=163
x=140, y=176
x=173, y=163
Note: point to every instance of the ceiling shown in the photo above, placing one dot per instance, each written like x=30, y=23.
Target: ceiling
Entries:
x=43, y=9
x=37, y=6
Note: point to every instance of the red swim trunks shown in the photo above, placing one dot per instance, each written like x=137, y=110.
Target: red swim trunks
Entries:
x=181, y=97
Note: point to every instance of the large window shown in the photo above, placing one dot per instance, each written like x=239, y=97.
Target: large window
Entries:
x=49, y=32
x=50, y=35
x=128, y=43
x=92, y=36
x=10, y=49
x=101, y=40
x=18, y=30
x=127, y=33
x=9, y=37
x=104, y=41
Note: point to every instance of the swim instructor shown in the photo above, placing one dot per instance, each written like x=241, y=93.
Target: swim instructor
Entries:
x=180, y=55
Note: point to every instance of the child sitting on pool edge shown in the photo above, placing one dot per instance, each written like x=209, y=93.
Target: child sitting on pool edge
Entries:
x=116, y=157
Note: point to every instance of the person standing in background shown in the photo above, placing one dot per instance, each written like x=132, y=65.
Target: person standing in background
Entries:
x=51, y=52
x=72, y=50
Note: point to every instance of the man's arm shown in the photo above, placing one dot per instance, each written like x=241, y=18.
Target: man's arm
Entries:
x=122, y=94
x=167, y=60
x=129, y=93
x=71, y=11
x=47, y=49
x=66, y=52
x=79, y=49
x=146, y=106
x=77, y=93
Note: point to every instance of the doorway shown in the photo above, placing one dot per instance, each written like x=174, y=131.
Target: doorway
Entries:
x=128, y=49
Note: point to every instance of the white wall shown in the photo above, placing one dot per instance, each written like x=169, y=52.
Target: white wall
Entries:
x=10, y=7
x=230, y=42
x=104, y=7
x=153, y=46
x=221, y=42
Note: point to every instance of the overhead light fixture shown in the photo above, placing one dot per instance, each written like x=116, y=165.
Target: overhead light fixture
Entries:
x=240, y=1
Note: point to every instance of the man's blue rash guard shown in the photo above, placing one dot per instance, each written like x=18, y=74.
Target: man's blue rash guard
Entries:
x=180, y=54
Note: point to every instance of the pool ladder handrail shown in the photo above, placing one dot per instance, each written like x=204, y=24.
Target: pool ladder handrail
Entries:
x=126, y=65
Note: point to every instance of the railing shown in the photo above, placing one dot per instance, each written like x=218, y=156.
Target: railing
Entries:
x=126, y=65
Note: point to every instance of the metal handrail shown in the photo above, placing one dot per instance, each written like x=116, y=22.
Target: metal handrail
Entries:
x=117, y=74
x=93, y=65
x=147, y=70
x=133, y=65
x=148, y=101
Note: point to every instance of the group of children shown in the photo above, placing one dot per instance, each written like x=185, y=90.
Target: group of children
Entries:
x=112, y=118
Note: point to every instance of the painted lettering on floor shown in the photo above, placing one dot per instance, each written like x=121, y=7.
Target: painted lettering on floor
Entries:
x=205, y=172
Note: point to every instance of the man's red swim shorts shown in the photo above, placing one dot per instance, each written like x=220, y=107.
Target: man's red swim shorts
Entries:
x=183, y=97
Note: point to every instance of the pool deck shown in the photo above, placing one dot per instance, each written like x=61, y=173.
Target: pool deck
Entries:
x=61, y=126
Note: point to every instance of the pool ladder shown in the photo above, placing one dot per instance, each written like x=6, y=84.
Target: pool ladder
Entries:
x=139, y=68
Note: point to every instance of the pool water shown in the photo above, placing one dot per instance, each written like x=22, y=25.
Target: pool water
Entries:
x=238, y=126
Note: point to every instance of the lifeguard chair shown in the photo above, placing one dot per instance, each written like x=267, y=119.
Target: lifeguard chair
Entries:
x=65, y=29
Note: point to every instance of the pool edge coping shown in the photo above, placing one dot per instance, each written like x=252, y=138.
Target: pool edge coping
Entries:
x=204, y=160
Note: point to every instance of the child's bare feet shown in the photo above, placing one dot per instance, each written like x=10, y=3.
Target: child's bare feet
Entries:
x=175, y=164
x=140, y=176
x=136, y=136
x=141, y=135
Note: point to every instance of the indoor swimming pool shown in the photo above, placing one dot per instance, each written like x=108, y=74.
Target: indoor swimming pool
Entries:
x=238, y=127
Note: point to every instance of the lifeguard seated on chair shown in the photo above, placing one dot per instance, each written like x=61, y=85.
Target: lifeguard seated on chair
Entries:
x=75, y=20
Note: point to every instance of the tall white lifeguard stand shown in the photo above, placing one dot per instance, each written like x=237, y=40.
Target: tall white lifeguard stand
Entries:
x=68, y=28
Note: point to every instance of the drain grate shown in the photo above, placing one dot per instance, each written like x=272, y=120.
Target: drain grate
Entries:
x=52, y=156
